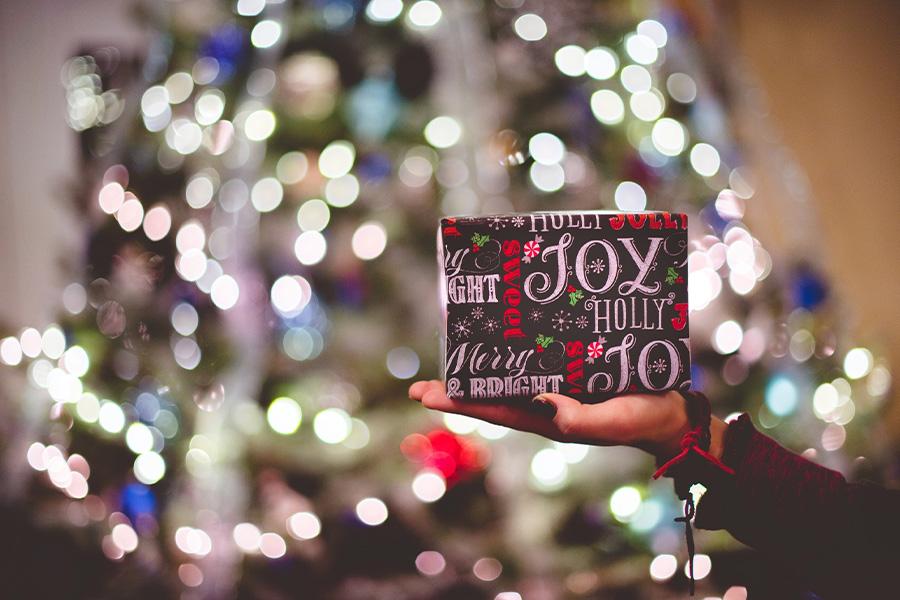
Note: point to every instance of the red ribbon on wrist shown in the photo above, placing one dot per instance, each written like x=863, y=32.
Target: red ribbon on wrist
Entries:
x=694, y=441
x=690, y=441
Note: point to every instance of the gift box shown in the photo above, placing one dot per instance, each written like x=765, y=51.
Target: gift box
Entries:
x=587, y=304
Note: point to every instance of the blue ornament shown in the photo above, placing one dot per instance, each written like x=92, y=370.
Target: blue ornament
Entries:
x=311, y=316
x=712, y=218
x=578, y=102
x=351, y=290
x=698, y=377
x=227, y=44
x=374, y=167
x=373, y=108
x=137, y=499
x=781, y=396
x=808, y=289
x=337, y=14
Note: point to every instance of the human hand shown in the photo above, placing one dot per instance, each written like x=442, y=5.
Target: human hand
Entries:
x=654, y=423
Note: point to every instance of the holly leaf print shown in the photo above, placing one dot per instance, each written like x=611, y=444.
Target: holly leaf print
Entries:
x=672, y=275
x=480, y=239
x=575, y=296
x=543, y=340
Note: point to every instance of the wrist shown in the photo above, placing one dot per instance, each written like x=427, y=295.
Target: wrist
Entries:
x=717, y=429
x=700, y=449
x=666, y=442
x=675, y=423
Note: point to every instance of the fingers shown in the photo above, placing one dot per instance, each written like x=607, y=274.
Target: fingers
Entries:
x=629, y=420
x=432, y=394
x=565, y=419
x=418, y=389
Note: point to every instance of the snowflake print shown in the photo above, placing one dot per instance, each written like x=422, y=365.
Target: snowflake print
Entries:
x=596, y=266
x=562, y=320
x=462, y=329
x=496, y=223
x=518, y=221
x=535, y=315
x=477, y=313
x=491, y=325
x=659, y=365
x=581, y=322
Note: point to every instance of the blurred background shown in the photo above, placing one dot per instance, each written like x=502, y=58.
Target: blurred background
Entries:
x=219, y=278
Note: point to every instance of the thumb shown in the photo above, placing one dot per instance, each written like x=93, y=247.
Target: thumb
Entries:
x=568, y=412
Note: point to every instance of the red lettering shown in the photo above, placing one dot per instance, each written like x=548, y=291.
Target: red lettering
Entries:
x=637, y=221
x=513, y=333
x=574, y=349
x=512, y=297
x=669, y=223
x=617, y=222
x=575, y=374
x=511, y=278
x=680, y=322
x=450, y=230
x=511, y=271
x=512, y=316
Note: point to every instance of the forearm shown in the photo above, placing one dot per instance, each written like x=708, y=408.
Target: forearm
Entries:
x=800, y=512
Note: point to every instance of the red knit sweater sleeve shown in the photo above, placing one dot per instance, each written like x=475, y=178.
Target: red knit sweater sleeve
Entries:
x=841, y=538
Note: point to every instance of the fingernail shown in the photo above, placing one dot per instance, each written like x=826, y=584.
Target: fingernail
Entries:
x=543, y=407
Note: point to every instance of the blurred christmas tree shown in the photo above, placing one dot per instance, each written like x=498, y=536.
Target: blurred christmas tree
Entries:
x=227, y=389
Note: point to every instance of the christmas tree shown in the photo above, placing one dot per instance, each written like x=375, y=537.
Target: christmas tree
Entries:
x=221, y=408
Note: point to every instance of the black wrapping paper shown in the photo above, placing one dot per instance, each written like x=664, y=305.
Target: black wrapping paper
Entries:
x=587, y=304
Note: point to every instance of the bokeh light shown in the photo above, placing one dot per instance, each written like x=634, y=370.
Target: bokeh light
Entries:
x=332, y=425
x=430, y=563
x=403, y=362
x=429, y=486
x=607, y=107
x=630, y=196
x=310, y=247
x=858, y=363
x=601, y=63
x=313, y=215
x=549, y=469
x=372, y=511
x=443, y=132
x=624, y=503
x=424, y=14
x=369, y=240
x=225, y=292
x=149, y=468
x=284, y=415
x=570, y=60
x=304, y=525
x=530, y=27
x=265, y=34
x=663, y=567
x=383, y=11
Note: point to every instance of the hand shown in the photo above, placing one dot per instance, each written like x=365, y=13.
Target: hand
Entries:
x=654, y=423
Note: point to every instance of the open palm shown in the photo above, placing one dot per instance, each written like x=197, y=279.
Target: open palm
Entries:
x=651, y=422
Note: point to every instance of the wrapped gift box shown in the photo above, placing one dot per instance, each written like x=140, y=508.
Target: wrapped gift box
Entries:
x=587, y=304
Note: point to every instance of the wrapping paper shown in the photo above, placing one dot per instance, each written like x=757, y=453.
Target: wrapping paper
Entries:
x=587, y=304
